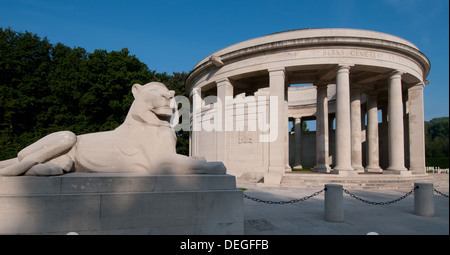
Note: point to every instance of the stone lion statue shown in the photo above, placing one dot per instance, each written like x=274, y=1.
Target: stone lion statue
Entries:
x=144, y=143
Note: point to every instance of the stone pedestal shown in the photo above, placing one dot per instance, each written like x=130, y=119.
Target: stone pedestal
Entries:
x=121, y=204
x=271, y=179
x=334, y=203
x=423, y=199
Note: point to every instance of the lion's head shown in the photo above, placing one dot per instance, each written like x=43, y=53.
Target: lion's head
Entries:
x=150, y=100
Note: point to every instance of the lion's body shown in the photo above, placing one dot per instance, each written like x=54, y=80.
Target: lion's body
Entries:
x=144, y=143
x=128, y=148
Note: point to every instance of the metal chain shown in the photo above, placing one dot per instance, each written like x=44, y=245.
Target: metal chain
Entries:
x=283, y=202
x=345, y=191
x=440, y=193
x=380, y=203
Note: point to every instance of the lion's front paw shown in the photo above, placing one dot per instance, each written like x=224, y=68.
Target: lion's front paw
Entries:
x=47, y=169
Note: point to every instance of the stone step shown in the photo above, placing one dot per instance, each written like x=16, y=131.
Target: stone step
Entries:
x=361, y=181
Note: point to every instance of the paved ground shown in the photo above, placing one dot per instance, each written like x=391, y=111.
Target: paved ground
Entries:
x=306, y=217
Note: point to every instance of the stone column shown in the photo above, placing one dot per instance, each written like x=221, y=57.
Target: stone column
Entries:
x=298, y=143
x=331, y=161
x=196, y=120
x=224, y=94
x=416, y=129
x=277, y=158
x=287, y=167
x=355, y=98
x=395, y=126
x=322, y=130
x=373, y=160
x=343, y=126
x=364, y=130
x=406, y=130
x=383, y=137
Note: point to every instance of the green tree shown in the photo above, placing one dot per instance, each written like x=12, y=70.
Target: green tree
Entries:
x=24, y=64
x=68, y=82
x=46, y=88
x=437, y=137
x=437, y=142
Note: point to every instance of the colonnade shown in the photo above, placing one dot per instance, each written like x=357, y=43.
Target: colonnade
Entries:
x=348, y=151
x=370, y=71
x=348, y=135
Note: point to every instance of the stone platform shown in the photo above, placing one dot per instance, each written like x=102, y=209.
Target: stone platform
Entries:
x=88, y=203
x=359, y=181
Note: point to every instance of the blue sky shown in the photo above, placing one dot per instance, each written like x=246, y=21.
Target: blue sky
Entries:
x=173, y=35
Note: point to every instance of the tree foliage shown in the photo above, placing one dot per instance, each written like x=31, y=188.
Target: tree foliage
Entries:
x=437, y=142
x=46, y=88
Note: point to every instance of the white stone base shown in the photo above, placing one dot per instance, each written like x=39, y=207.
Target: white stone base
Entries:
x=397, y=172
x=121, y=204
x=373, y=170
x=345, y=172
x=271, y=179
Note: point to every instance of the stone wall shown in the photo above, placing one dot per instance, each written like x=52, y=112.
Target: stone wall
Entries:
x=121, y=204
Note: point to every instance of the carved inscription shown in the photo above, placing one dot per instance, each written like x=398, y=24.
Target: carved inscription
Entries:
x=245, y=137
x=361, y=54
x=348, y=53
x=333, y=52
x=354, y=53
x=366, y=54
x=288, y=55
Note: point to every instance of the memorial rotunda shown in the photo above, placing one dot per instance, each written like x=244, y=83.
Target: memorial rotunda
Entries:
x=364, y=89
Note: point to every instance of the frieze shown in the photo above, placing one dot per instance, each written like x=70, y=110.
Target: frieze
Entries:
x=359, y=53
x=288, y=55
